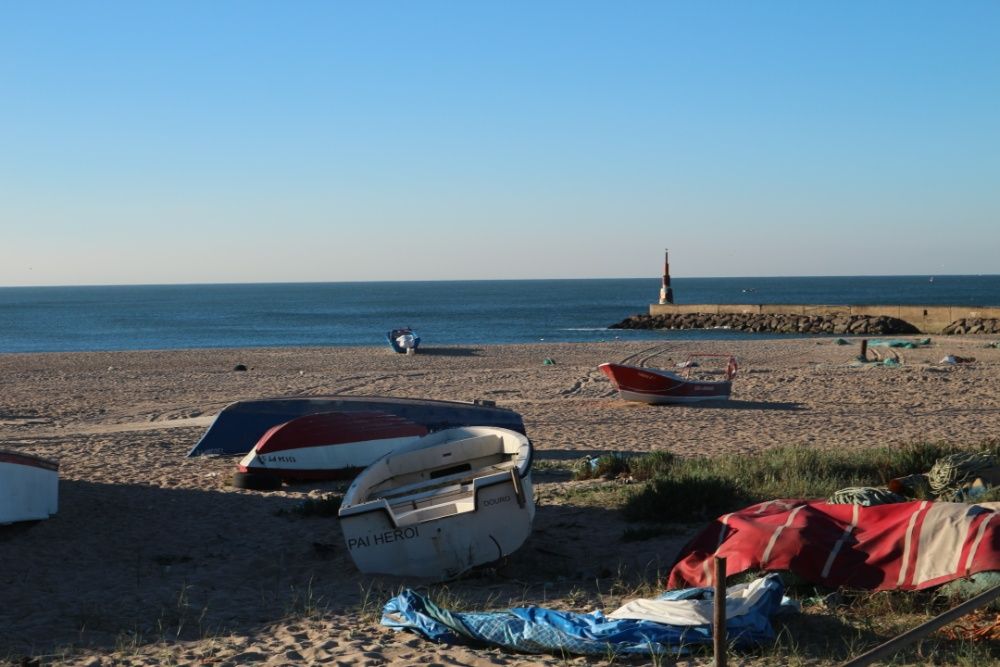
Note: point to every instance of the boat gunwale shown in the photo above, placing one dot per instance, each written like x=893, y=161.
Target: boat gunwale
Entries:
x=28, y=460
x=522, y=469
x=383, y=505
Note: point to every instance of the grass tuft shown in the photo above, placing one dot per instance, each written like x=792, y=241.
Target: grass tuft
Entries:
x=701, y=487
x=639, y=467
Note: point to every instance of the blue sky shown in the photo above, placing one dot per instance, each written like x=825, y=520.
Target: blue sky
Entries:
x=180, y=142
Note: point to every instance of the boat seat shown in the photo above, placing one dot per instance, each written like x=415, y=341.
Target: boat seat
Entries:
x=434, y=512
x=432, y=486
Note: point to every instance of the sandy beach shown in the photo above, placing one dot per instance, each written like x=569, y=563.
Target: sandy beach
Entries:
x=154, y=559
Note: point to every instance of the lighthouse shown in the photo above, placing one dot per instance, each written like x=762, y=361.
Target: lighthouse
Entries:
x=666, y=292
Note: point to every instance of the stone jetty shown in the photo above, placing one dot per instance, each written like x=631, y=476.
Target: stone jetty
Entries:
x=833, y=324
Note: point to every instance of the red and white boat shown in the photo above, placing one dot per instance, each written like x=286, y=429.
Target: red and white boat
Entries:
x=656, y=386
x=328, y=445
x=29, y=487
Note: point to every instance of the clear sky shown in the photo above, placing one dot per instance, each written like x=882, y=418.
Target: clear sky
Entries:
x=192, y=141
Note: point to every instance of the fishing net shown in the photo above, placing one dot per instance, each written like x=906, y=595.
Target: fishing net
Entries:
x=952, y=475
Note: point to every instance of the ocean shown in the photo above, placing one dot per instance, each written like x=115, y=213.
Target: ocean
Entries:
x=142, y=317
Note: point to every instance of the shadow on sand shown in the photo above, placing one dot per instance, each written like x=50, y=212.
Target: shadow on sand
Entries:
x=140, y=564
x=754, y=405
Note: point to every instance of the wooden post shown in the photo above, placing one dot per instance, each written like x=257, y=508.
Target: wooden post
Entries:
x=864, y=350
x=719, y=625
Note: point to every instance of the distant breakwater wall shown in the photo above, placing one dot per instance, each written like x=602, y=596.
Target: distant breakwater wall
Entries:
x=819, y=319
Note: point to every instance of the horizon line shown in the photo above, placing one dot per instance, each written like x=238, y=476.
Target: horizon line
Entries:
x=484, y=280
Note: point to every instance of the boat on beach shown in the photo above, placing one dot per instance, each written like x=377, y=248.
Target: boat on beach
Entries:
x=445, y=503
x=29, y=487
x=328, y=445
x=657, y=386
x=239, y=426
x=403, y=340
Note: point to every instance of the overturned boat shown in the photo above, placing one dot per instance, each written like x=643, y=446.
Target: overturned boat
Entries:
x=443, y=504
x=240, y=426
x=658, y=386
x=29, y=487
x=324, y=446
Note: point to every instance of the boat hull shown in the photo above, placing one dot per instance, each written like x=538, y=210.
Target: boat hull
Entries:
x=329, y=445
x=240, y=426
x=29, y=487
x=457, y=516
x=658, y=387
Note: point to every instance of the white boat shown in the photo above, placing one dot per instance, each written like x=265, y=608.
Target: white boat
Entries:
x=452, y=500
x=29, y=487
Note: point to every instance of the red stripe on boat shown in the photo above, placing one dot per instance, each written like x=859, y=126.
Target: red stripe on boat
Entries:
x=336, y=428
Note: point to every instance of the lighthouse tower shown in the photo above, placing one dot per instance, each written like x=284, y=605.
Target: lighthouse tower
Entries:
x=666, y=292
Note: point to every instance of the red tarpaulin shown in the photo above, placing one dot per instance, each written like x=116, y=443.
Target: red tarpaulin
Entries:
x=908, y=546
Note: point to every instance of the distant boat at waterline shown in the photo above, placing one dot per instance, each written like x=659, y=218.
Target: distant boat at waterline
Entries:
x=403, y=341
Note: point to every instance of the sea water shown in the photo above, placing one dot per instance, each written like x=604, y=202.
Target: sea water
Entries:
x=56, y=319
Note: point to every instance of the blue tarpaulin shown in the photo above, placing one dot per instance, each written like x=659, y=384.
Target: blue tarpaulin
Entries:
x=539, y=630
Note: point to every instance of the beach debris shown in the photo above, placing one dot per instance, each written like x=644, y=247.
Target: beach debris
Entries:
x=840, y=341
x=891, y=362
x=896, y=342
x=995, y=344
x=906, y=546
x=975, y=628
x=952, y=359
x=547, y=361
x=240, y=367
x=673, y=623
x=689, y=363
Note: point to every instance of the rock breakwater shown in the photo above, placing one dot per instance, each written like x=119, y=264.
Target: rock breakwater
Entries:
x=972, y=325
x=772, y=323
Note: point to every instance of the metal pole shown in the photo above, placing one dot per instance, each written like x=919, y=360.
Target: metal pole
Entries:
x=719, y=624
x=897, y=643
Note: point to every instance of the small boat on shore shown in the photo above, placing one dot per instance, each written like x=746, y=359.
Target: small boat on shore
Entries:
x=29, y=487
x=657, y=386
x=241, y=425
x=443, y=504
x=328, y=445
x=403, y=340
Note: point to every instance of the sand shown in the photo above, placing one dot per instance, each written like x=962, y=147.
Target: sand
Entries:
x=154, y=559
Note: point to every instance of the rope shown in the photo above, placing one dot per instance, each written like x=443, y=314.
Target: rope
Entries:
x=865, y=496
x=951, y=474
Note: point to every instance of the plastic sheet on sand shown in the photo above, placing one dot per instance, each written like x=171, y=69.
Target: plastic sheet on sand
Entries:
x=672, y=623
